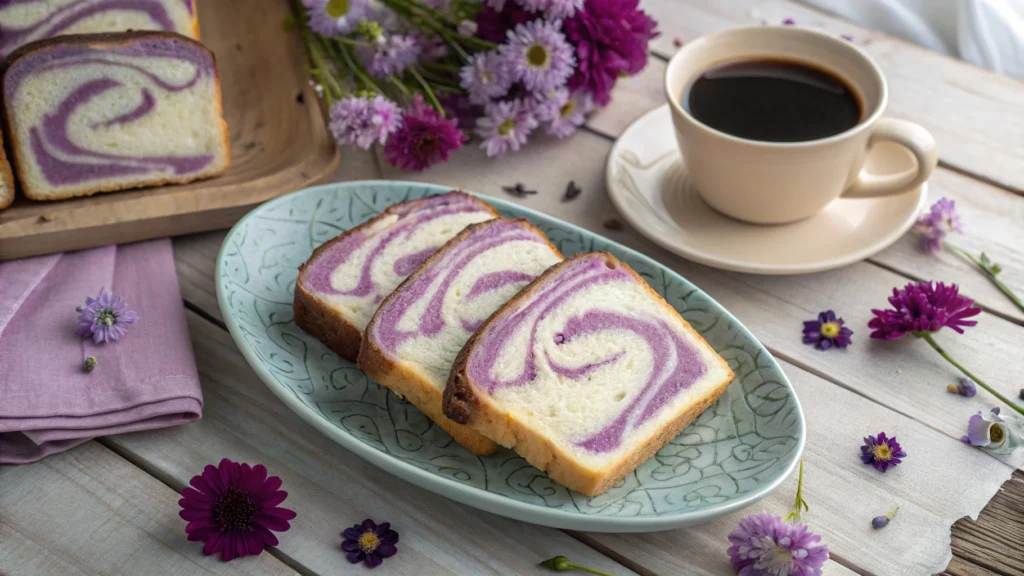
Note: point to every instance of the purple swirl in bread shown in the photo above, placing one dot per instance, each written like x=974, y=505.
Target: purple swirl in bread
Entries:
x=585, y=374
x=24, y=21
x=106, y=112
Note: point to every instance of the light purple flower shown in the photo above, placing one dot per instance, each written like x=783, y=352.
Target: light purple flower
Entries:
x=764, y=545
x=538, y=55
x=923, y=307
x=390, y=57
x=505, y=127
x=964, y=387
x=562, y=9
x=361, y=121
x=467, y=28
x=335, y=17
x=485, y=78
x=546, y=106
x=991, y=432
x=941, y=220
x=104, y=318
x=571, y=115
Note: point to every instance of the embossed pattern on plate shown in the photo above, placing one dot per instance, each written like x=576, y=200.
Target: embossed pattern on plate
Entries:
x=734, y=454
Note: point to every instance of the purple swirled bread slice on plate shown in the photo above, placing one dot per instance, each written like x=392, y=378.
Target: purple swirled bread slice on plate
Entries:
x=586, y=373
x=413, y=339
x=23, y=22
x=6, y=180
x=103, y=112
x=347, y=278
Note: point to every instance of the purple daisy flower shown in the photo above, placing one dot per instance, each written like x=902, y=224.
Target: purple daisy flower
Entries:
x=571, y=115
x=390, y=57
x=765, y=545
x=940, y=220
x=538, y=55
x=882, y=452
x=105, y=317
x=425, y=138
x=923, y=307
x=485, y=78
x=232, y=509
x=335, y=17
x=505, y=127
x=611, y=39
x=369, y=543
x=361, y=122
x=991, y=432
x=562, y=9
x=827, y=332
x=545, y=107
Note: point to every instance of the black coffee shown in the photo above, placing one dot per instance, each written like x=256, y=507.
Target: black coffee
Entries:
x=773, y=101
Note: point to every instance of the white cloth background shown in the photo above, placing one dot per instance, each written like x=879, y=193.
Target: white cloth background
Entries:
x=986, y=33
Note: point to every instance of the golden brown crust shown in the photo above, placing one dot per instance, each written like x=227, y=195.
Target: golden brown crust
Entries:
x=408, y=382
x=323, y=321
x=195, y=19
x=479, y=412
x=105, y=40
x=7, y=178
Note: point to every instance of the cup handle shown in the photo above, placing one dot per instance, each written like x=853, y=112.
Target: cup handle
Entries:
x=912, y=137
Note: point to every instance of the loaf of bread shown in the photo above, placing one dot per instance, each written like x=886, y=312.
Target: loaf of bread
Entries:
x=417, y=332
x=586, y=374
x=346, y=279
x=24, y=21
x=102, y=112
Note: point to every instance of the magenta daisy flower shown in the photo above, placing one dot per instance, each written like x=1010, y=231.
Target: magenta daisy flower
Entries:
x=882, y=452
x=765, y=545
x=923, y=307
x=505, y=127
x=391, y=56
x=424, y=139
x=571, y=115
x=611, y=39
x=538, y=55
x=233, y=508
x=105, y=317
x=941, y=219
x=369, y=543
x=335, y=17
x=827, y=332
x=494, y=20
x=485, y=78
x=361, y=121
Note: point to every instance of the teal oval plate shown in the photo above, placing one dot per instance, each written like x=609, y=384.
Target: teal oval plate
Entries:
x=734, y=454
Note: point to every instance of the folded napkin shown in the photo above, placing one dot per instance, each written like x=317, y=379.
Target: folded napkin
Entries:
x=147, y=379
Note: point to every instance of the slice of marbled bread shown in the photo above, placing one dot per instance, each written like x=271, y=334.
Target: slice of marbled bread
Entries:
x=586, y=373
x=101, y=112
x=413, y=339
x=24, y=21
x=6, y=180
x=346, y=279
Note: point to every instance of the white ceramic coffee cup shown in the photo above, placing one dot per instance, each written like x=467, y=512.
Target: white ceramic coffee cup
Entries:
x=779, y=182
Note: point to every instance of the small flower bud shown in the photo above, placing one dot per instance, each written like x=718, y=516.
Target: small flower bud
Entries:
x=558, y=563
x=879, y=521
x=89, y=364
x=965, y=387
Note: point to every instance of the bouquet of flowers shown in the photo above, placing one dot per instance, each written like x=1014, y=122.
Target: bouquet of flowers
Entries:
x=421, y=76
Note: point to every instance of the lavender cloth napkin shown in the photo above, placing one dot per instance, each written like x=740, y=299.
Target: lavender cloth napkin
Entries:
x=148, y=379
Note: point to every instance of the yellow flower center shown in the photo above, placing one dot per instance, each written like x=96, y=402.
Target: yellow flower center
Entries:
x=537, y=56
x=830, y=329
x=106, y=318
x=995, y=434
x=505, y=128
x=778, y=561
x=568, y=108
x=883, y=452
x=368, y=542
x=337, y=8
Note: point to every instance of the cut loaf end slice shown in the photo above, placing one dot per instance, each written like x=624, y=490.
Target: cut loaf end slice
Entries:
x=418, y=331
x=24, y=22
x=347, y=278
x=104, y=112
x=586, y=374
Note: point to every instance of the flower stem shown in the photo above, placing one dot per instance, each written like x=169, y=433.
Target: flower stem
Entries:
x=989, y=270
x=562, y=564
x=800, y=504
x=927, y=337
x=357, y=70
x=429, y=92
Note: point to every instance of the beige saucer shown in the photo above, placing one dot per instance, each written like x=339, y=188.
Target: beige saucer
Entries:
x=648, y=183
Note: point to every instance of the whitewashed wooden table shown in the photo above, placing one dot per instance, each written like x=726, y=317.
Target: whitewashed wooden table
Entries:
x=110, y=506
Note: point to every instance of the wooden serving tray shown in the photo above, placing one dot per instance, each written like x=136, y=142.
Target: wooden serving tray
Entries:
x=279, y=144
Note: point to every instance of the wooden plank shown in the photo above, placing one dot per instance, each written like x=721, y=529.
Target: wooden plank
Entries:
x=279, y=143
x=992, y=543
x=844, y=494
x=89, y=511
x=332, y=489
x=973, y=113
x=991, y=215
